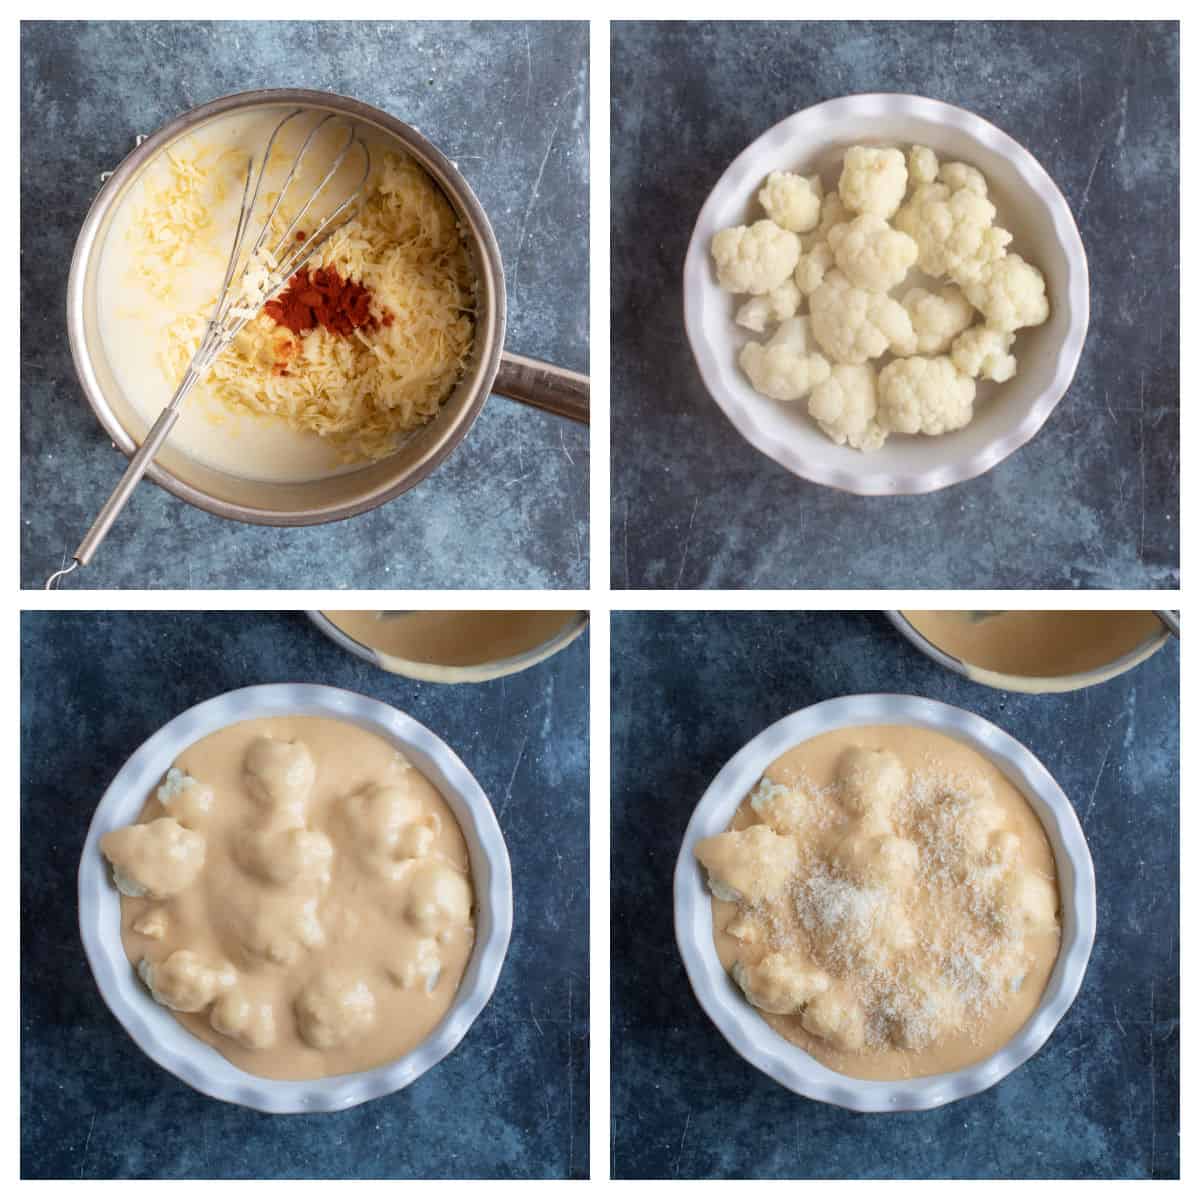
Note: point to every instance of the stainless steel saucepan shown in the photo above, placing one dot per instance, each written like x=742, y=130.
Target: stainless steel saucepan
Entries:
x=489, y=369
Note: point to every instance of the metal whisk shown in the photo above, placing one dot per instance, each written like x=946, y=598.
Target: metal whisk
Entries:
x=251, y=279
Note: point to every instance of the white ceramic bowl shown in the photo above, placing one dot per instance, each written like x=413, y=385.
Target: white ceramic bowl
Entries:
x=153, y=1027
x=741, y=1024
x=1029, y=205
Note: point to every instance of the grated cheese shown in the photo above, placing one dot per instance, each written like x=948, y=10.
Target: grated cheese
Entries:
x=363, y=393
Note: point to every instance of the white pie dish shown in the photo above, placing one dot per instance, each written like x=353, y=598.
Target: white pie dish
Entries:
x=1029, y=204
x=769, y=1051
x=154, y=1028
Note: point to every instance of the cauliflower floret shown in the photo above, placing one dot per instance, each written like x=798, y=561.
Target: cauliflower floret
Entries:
x=953, y=230
x=335, y=1008
x=871, y=254
x=279, y=927
x=878, y=859
x=853, y=325
x=925, y=395
x=760, y=311
x=386, y=826
x=873, y=180
x=287, y=857
x=845, y=405
x=1030, y=901
x=1010, y=293
x=923, y=1008
x=833, y=212
x=834, y=1016
x=751, y=864
x=786, y=367
x=152, y=924
x=250, y=1023
x=780, y=983
x=421, y=969
x=957, y=175
x=984, y=353
x=185, y=982
x=812, y=267
x=280, y=776
x=785, y=809
x=186, y=799
x=872, y=782
x=792, y=201
x=755, y=259
x=439, y=899
x=922, y=166
x=158, y=860
x=937, y=317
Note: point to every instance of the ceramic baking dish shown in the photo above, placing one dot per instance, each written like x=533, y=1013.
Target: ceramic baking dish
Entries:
x=154, y=1028
x=1029, y=204
x=773, y=1054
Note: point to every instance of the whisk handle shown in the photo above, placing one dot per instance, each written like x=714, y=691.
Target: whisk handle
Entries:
x=552, y=389
x=138, y=466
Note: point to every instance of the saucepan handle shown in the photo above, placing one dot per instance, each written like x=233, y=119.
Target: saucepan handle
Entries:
x=552, y=389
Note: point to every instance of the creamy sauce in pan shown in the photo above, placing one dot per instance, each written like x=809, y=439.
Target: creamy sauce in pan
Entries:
x=841, y=875
x=451, y=639
x=328, y=923
x=1037, y=644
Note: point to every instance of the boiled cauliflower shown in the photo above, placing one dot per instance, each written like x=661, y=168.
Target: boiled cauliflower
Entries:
x=922, y=166
x=186, y=799
x=812, y=268
x=845, y=405
x=780, y=983
x=1011, y=294
x=755, y=259
x=185, y=982
x=853, y=325
x=158, y=860
x=873, y=180
x=957, y=175
x=280, y=776
x=837, y=1018
x=984, y=353
x=787, y=367
x=871, y=254
x=792, y=201
x=760, y=311
x=833, y=212
x=335, y=1008
x=953, y=230
x=924, y=395
x=439, y=899
x=937, y=317
x=250, y=1023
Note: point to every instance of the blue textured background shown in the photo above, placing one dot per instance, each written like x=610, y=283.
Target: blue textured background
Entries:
x=509, y=103
x=1100, y=1100
x=511, y=1100
x=1092, y=501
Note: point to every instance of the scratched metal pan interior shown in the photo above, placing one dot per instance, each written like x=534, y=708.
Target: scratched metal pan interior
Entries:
x=322, y=499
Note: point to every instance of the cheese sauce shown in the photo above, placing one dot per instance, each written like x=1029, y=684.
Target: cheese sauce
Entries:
x=451, y=639
x=936, y=910
x=1045, y=645
x=333, y=911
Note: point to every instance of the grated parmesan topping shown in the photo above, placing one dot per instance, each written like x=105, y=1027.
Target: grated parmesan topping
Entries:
x=926, y=955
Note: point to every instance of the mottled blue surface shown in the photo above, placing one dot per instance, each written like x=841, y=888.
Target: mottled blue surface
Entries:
x=1092, y=501
x=1100, y=1100
x=509, y=103
x=510, y=1101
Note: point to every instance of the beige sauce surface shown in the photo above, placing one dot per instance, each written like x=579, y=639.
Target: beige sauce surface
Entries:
x=812, y=766
x=451, y=639
x=1037, y=644
x=342, y=960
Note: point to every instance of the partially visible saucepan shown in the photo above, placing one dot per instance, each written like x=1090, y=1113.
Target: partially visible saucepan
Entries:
x=489, y=369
